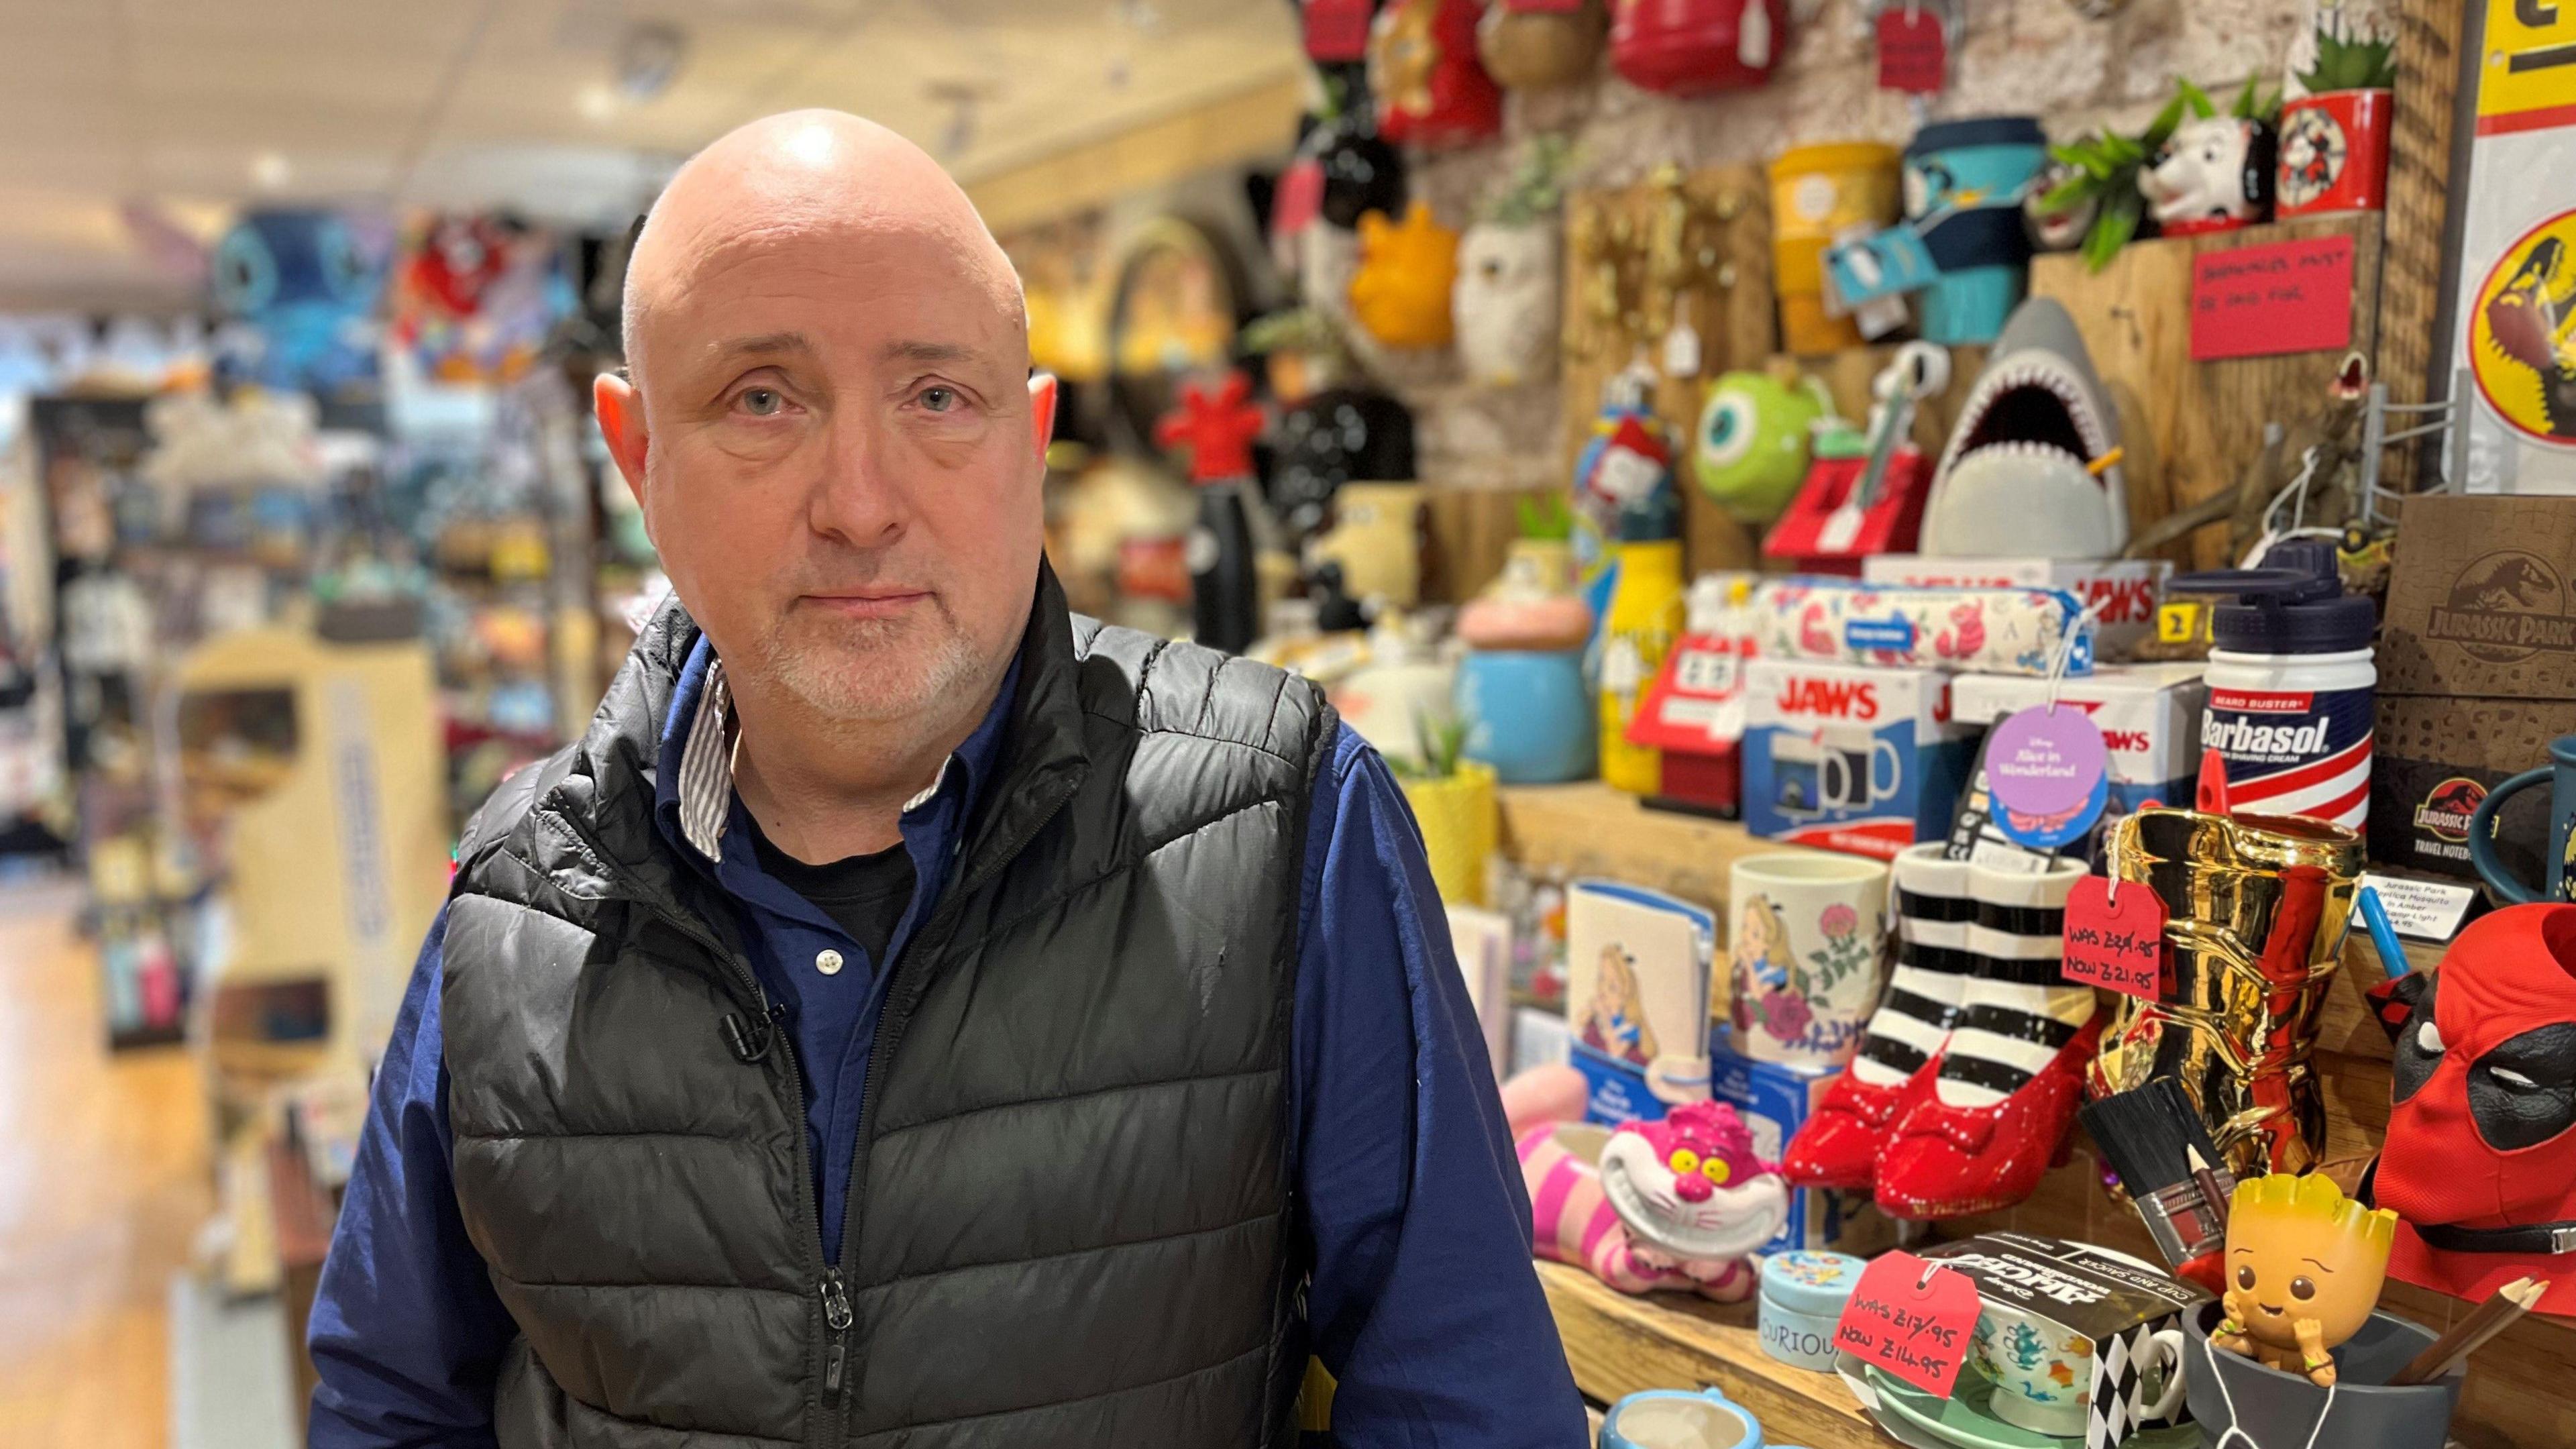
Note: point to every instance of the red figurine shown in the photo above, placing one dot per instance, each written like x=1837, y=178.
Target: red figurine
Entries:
x=1430, y=88
x=1219, y=428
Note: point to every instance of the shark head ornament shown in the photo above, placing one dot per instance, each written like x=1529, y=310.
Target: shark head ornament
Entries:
x=2033, y=468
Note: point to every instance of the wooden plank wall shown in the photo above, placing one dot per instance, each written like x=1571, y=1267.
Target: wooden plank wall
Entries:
x=1732, y=313
x=2196, y=427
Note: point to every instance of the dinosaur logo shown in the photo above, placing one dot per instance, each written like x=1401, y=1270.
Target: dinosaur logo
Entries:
x=2523, y=334
x=2506, y=606
x=2445, y=812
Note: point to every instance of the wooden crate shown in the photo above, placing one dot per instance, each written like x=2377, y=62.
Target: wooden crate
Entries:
x=2518, y=1390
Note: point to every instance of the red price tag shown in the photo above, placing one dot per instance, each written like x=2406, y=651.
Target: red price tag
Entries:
x=1911, y=1319
x=1913, y=50
x=1338, y=30
x=2293, y=296
x=2116, y=944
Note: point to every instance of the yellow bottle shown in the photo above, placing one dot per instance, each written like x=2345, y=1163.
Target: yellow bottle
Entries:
x=1637, y=631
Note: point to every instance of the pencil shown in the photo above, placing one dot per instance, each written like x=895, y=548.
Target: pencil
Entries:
x=2201, y=1173
x=2472, y=1333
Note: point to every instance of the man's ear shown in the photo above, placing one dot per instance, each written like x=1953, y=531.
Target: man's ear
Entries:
x=1042, y=398
x=621, y=423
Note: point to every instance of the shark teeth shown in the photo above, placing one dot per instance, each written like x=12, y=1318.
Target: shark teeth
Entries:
x=2037, y=370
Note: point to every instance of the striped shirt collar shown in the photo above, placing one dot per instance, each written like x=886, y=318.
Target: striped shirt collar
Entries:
x=700, y=782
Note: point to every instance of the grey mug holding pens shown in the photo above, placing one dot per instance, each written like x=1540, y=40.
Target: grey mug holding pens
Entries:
x=2561, y=882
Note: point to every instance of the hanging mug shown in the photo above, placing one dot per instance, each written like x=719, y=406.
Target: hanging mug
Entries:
x=2561, y=882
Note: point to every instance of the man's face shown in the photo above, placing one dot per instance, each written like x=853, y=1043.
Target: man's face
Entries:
x=840, y=474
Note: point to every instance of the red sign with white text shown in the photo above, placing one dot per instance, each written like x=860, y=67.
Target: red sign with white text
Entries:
x=1911, y=1319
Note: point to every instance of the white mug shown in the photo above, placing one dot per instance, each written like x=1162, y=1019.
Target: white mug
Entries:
x=1806, y=937
x=2043, y=1374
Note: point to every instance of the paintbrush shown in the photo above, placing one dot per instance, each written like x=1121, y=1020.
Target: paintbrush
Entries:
x=2472, y=1333
x=2150, y=1136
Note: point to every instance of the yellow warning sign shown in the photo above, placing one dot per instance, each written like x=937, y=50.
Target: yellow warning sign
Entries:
x=2522, y=337
x=2527, y=72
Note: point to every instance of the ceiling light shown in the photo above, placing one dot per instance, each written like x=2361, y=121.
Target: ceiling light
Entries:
x=271, y=170
x=596, y=101
x=648, y=57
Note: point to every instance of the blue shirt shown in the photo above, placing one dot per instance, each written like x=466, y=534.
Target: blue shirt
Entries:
x=1423, y=1304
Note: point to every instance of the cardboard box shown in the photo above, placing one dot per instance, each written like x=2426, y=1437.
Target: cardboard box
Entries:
x=1850, y=757
x=2480, y=605
x=2127, y=589
x=1636, y=998
x=2477, y=674
x=1775, y=1101
x=2149, y=715
x=2436, y=759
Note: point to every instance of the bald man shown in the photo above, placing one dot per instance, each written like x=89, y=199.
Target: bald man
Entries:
x=912, y=1015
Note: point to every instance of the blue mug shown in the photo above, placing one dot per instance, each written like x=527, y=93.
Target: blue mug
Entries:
x=1674, y=1419
x=2561, y=884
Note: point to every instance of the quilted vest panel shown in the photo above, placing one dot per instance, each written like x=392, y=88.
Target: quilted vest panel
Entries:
x=1069, y=1216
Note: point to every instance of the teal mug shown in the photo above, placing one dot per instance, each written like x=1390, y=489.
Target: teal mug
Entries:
x=1678, y=1419
x=2561, y=885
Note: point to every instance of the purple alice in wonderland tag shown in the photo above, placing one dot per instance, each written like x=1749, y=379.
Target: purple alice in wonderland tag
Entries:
x=2045, y=762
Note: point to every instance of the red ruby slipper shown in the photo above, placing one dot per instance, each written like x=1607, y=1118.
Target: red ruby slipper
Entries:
x=1840, y=1145
x=1948, y=1161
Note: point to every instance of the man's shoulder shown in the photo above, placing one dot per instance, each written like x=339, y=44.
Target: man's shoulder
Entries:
x=1164, y=686
x=509, y=805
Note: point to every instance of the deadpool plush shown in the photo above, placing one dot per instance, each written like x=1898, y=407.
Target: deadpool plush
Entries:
x=2480, y=1163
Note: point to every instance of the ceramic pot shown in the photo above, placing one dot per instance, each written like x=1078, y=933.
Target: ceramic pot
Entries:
x=1803, y=1294
x=1529, y=714
x=1964, y=183
x=2213, y=175
x=1504, y=305
x=1430, y=89
x=2334, y=152
x=2233, y=1396
x=1807, y=955
x=1532, y=47
x=1673, y=1419
x=1693, y=47
x=1376, y=540
x=1638, y=628
x=1458, y=820
x=1817, y=191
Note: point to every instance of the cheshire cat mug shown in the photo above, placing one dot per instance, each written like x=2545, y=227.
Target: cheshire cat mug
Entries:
x=2561, y=874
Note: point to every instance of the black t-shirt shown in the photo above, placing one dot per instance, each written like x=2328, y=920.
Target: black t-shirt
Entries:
x=864, y=894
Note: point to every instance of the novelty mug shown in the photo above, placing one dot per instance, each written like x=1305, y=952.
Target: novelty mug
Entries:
x=1675, y=1419
x=1806, y=939
x=1812, y=774
x=2561, y=882
x=2043, y=1373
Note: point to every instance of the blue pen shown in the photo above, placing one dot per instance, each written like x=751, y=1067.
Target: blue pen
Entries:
x=2383, y=934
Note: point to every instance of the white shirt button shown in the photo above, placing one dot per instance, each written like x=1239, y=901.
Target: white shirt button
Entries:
x=828, y=962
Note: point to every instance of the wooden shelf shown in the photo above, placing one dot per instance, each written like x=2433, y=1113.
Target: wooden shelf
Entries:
x=2516, y=1395
x=1619, y=1345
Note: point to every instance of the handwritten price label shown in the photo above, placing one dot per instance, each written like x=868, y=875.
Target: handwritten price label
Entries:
x=1911, y=1319
x=2117, y=945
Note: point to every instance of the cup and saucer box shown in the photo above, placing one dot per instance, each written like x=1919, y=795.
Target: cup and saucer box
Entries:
x=1850, y=757
x=1637, y=974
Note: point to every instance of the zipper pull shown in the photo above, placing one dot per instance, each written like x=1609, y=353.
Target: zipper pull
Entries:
x=836, y=1316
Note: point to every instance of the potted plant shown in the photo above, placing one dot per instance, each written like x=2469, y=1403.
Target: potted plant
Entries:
x=2099, y=185
x=1453, y=801
x=2334, y=127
